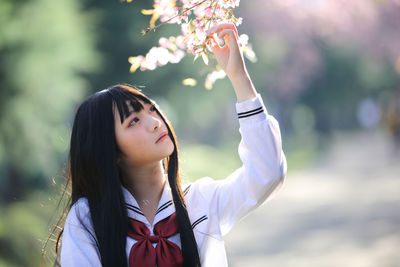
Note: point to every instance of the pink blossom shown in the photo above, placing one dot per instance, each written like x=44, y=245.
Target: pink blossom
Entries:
x=193, y=38
x=212, y=77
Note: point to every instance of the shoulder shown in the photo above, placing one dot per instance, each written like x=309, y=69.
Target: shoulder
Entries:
x=202, y=189
x=79, y=243
x=79, y=221
x=79, y=213
x=202, y=183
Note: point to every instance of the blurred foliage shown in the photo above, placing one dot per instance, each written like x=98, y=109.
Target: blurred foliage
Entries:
x=346, y=78
x=21, y=229
x=53, y=54
x=217, y=162
x=44, y=48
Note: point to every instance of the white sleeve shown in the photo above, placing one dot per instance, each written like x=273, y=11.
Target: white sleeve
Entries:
x=263, y=170
x=78, y=246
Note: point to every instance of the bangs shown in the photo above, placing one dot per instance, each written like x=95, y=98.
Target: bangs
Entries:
x=127, y=102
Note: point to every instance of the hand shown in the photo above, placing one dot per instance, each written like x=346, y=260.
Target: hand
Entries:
x=229, y=56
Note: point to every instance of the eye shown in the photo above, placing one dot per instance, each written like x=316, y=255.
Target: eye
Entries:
x=134, y=121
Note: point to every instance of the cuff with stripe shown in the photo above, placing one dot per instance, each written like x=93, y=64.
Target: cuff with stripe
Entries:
x=251, y=110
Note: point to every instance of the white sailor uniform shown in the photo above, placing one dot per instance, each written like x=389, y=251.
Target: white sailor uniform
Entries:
x=214, y=207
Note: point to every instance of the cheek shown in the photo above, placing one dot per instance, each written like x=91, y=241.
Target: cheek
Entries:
x=133, y=146
x=129, y=143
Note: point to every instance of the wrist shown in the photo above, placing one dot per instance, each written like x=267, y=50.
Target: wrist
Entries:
x=243, y=87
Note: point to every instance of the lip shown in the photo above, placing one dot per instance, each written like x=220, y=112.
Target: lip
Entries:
x=160, y=137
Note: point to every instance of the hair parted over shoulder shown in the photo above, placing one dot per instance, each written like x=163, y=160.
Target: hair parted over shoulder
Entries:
x=94, y=174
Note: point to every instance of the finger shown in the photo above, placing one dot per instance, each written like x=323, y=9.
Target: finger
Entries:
x=230, y=34
x=222, y=26
x=214, y=45
x=217, y=50
x=214, y=42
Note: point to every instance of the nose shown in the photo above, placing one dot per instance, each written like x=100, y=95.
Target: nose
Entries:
x=155, y=123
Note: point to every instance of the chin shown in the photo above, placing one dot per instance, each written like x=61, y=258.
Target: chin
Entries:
x=167, y=153
x=172, y=151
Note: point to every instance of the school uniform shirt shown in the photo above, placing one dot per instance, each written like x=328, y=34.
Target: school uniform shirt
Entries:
x=214, y=206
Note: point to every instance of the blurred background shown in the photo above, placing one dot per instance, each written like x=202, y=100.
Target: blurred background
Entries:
x=328, y=71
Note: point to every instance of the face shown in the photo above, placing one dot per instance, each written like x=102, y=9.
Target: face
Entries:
x=138, y=137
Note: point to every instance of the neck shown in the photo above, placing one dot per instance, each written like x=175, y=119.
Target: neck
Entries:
x=146, y=183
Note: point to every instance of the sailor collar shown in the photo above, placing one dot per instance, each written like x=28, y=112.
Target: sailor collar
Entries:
x=164, y=209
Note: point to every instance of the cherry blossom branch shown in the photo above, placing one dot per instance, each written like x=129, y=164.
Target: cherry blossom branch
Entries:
x=193, y=38
x=177, y=15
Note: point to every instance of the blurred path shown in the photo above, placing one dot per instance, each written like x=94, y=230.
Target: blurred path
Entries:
x=345, y=211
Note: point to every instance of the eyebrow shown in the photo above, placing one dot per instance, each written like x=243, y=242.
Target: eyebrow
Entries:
x=128, y=116
x=134, y=111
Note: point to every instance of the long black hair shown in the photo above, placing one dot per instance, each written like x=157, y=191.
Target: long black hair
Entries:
x=94, y=174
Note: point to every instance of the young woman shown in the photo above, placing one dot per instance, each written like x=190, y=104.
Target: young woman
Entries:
x=128, y=207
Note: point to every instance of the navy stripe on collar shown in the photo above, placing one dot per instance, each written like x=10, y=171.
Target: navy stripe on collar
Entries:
x=164, y=206
x=134, y=209
x=202, y=218
x=186, y=190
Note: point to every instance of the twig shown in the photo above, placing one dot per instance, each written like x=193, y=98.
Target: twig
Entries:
x=212, y=16
x=181, y=13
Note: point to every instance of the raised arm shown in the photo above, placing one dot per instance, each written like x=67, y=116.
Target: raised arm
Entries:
x=260, y=149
